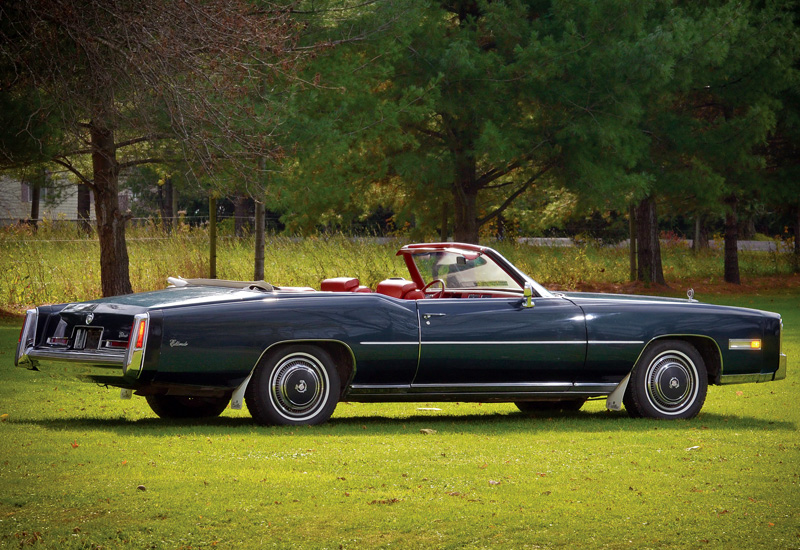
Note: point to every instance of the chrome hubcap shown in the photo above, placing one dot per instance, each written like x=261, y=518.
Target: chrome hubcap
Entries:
x=672, y=382
x=299, y=386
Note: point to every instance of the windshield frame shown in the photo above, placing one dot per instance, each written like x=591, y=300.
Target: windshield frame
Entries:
x=471, y=252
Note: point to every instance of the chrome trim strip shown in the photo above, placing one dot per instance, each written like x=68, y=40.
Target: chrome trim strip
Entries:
x=617, y=342
x=22, y=355
x=389, y=343
x=511, y=343
x=75, y=356
x=503, y=385
x=380, y=387
x=745, y=378
x=134, y=358
x=508, y=391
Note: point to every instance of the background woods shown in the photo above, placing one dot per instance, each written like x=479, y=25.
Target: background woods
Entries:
x=465, y=120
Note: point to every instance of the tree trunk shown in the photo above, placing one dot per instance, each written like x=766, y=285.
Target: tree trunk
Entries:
x=84, y=208
x=167, y=206
x=649, y=247
x=465, y=203
x=700, y=241
x=797, y=238
x=241, y=216
x=632, y=241
x=212, y=237
x=260, y=230
x=36, y=196
x=114, y=273
x=443, y=230
x=732, y=242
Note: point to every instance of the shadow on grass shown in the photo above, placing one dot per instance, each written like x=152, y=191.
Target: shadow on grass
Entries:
x=497, y=424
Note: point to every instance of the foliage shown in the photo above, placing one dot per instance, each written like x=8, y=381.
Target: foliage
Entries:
x=472, y=110
x=81, y=469
x=103, y=87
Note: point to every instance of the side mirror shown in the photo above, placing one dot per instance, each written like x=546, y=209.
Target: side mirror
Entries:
x=527, y=294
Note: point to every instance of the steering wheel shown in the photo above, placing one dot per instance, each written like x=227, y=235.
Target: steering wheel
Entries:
x=438, y=294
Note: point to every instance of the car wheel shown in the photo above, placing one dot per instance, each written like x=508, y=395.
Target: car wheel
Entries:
x=297, y=385
x=179, y=406
x=565, y=405
x=669, y=381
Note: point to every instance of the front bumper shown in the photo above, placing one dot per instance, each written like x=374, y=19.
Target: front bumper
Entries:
x=780, y=374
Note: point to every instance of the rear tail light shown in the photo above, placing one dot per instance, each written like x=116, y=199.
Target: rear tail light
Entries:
x=27, y=336
x=58, y=341
x=138, y=343
x=116, y=344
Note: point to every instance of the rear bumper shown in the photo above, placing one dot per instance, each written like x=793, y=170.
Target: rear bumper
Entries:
x=90, y=366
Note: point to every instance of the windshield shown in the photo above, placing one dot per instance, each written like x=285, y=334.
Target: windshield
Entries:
x=463, y=270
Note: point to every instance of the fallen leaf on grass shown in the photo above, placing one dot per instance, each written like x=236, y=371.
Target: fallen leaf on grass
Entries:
x=493, y=482
x=75, y=445
x=387, y=501
x=427, y=431
x=3, y=417
x=693, y=448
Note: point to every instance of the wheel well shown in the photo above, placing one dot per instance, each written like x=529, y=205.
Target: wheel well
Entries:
x=708, y=350
x=339, y=351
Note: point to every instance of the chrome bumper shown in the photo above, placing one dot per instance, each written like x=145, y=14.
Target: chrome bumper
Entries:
x=91, y=366
x=780, y=374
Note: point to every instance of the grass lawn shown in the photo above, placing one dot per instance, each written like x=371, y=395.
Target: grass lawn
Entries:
x=80, y=468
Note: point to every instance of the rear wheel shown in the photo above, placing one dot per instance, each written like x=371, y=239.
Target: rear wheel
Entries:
x=669, y=381
x=295, y=385
x=179, y=406
x=563, y=405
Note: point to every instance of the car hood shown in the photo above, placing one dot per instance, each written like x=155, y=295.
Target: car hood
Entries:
x=624, y=297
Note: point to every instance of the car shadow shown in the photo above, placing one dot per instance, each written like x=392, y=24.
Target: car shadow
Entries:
x=494, y=423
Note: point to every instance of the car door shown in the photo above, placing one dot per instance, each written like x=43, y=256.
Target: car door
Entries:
x=497, y=340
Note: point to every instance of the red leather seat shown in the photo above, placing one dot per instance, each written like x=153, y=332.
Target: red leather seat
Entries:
x=340, y=284
x=399, y=288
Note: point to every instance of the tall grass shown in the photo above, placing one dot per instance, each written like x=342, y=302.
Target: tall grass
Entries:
x=59, y=264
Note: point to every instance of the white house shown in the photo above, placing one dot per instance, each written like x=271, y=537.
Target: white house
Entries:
x=15, y=202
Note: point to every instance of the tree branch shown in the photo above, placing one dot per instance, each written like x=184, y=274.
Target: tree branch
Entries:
x=524, y=187
x=137, y=162
x=68, y=165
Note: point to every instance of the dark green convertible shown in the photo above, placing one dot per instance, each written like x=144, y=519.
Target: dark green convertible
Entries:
x=466, y=326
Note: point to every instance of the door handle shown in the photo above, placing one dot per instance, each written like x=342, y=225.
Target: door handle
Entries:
x=429, y=315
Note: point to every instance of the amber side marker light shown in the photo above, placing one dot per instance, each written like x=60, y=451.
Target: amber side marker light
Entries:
x=745, y=343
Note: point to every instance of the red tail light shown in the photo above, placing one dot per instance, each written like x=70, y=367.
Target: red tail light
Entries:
x=140, y=332
x=134, y=358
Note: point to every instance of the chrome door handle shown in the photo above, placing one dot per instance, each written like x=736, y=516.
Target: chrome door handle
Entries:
x=429, y=315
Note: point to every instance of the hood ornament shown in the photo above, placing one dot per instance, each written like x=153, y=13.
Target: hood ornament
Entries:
x=89, y=318
x=690, y=293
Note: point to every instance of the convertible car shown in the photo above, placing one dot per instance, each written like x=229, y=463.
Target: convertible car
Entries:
x=467, y=326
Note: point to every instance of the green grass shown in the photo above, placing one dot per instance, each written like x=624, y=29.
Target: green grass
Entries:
x=72, y=456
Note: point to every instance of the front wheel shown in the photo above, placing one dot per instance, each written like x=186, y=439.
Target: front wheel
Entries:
x=295, y=385
x=179, y=406
x=669, y=382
